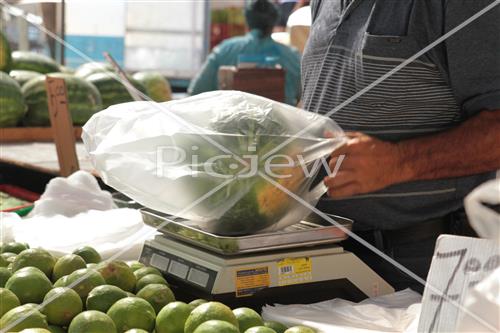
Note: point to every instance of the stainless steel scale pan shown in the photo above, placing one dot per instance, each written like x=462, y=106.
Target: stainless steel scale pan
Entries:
x=312, y=231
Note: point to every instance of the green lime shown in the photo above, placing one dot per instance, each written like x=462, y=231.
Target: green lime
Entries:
x=61, y=282
x=197, y=302
x=278, y=327
x=29, y=287
x=66, y=265
x=35, y=330
x=56, y=329
x=14, y=247
x=8, y=257
x=135, y=265
x=5, y=274
x=92, y=322
x=142, y=272
x=132, y=312
x=84, y=280
x=38, y=258
x=89, y=254
x=8, y=301
x=172, y=317
x=300, y=329
x=61, y=306
x=209, y=311
x=102, y=297
x=3, y=261
x=247, y=318
x=117, y=273
x=136, y=330
x=149, y=279
x=259, y=329
x=216, y=326
x=29, y=315
x=158, y=295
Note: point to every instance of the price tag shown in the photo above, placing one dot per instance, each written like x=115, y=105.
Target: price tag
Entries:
x=458, y=264
x=294, y=271
x=62, y=125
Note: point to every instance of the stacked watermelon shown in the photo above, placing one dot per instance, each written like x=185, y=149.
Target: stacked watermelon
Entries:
x=35, y=62
x=22, y=76
x=111, y=89
x=11, y=101
x=83, y=100
x=5, y=57
x=157, y=87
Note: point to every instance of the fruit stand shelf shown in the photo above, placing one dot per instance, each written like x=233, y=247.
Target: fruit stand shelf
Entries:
x=31, y=134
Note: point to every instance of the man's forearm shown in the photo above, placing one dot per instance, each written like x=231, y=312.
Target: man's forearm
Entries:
x=471, y=148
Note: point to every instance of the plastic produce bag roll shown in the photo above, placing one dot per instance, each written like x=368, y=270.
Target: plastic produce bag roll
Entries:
x=224, y=161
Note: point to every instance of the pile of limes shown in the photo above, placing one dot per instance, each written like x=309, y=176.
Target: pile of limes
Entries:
x=80, y=293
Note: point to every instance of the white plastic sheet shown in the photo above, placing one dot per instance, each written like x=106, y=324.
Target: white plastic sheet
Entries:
x=397, y=312
x=202, y=158
x=117, y=233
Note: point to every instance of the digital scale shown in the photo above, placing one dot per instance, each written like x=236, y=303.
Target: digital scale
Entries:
x=299, y=264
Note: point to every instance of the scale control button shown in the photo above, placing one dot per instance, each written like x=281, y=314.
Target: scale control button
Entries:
x=159, y=262
x=198, y=277
x=178, y=269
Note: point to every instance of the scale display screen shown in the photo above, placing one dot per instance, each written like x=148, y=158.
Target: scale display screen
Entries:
x=180, y=268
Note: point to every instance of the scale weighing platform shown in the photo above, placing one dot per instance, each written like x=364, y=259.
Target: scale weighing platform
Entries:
x=299, y=264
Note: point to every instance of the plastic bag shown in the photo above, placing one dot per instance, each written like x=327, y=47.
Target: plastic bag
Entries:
x=70, y=196
x=209, y=158
x=483, y=300
x=397, y=312
x=485, y=220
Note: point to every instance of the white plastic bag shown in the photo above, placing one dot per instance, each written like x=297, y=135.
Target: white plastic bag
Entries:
x=397, y=312
x=483, y=300
x=202, y=158
x=72, y=195
x=484, y=219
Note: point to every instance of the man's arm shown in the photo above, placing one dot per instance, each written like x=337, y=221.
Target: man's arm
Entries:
x=371, y=164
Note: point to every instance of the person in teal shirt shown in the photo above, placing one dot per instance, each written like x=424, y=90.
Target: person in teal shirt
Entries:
x=261, y=16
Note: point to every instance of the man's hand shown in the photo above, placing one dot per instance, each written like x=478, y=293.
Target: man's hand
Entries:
x=369, y=165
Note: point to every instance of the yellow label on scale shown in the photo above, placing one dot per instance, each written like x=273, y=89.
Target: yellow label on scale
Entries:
x=251, y=280
x=294, y=271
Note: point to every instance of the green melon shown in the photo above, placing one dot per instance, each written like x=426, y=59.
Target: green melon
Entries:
x=5, y=57
x=157, y=86
x=36, y=62
x=90, y=68
x=22, y=76
x=111, y=89
x=84, y=100
x=11, y=101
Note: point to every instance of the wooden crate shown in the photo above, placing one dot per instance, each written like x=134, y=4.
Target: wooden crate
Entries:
x=31, y=134
x=266, y=82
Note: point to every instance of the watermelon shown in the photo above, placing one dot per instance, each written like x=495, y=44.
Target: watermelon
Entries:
x=157, y=87
x=36, y=62
x=113, y=91
x=22, y=76
x=83, y=100
x=90, y=68
x=65, y=69
x=5, y=57
x=11, y=101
